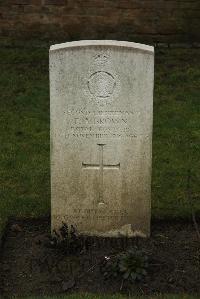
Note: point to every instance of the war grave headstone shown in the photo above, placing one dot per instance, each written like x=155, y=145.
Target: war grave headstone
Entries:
x=101, y=136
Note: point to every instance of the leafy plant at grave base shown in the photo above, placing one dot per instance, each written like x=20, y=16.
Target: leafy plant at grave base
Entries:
x=131, y=265
x=67, y=239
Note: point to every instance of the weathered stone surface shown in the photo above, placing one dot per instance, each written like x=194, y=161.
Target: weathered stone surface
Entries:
x=101, y=131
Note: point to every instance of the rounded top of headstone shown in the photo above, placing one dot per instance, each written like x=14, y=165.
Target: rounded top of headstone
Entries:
x=106, y=43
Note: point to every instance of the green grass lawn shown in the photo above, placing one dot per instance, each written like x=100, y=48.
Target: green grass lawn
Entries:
x=24, y=132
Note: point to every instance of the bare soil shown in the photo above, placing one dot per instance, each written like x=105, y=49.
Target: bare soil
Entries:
x=30, y=266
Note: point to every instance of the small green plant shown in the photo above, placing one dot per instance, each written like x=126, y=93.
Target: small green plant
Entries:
x=131, y=265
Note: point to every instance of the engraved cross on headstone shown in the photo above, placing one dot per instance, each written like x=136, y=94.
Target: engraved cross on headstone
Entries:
x=100, y=166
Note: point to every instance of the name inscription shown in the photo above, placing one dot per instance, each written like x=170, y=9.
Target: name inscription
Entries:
x=82, y=123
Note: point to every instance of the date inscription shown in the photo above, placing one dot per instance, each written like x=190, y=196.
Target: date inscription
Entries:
x=82, y=123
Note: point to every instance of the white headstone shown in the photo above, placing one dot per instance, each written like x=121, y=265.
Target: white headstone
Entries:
x=101, y=136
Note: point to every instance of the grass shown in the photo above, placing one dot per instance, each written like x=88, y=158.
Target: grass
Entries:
x=176, y=139
x=24, y=132
x=24, y=125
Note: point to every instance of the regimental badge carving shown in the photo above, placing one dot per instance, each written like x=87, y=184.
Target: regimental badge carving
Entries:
x=101, y=59
x=101, y=84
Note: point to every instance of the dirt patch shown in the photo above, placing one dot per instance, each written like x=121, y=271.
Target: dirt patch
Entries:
x=28, y=265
